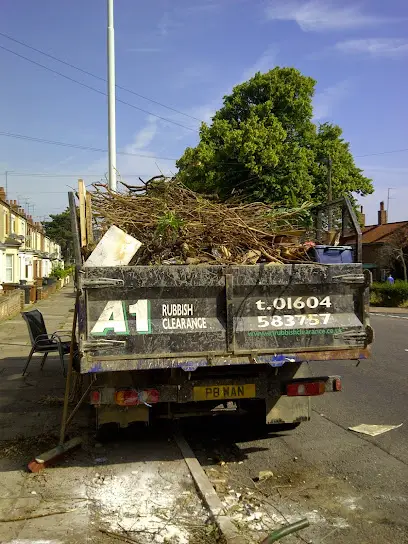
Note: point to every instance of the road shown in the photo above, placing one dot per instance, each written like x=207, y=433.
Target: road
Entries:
x=356, y=486
x=352, y=488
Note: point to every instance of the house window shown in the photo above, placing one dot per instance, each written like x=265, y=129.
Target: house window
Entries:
x=7, y=223
x=13, y=224
x=9, y=268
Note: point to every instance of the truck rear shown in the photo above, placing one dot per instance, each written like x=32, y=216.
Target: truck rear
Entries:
x=175, y=341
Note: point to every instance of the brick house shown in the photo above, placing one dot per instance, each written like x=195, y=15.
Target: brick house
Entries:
x=26, y=253
x=375, y=239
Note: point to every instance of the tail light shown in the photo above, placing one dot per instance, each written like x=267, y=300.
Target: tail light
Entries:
x=305, y=389
x=337, y=384
x=95, y=397
x=126, y=397
x=132, y=397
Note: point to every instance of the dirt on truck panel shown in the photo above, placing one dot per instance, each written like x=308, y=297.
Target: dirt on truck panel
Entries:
x=220, y=312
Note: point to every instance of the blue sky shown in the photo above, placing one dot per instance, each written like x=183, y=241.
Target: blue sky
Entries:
x=187, y=55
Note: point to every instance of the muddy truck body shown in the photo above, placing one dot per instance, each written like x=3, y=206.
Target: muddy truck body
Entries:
x=177, y=341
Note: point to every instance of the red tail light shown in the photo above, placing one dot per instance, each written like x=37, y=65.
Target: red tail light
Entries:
x=132, y=397
x=305, y=389
x=95, y=397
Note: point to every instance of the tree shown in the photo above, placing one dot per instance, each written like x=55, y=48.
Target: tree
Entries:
x=263, y=145
x=395, y=251
x=59, y=229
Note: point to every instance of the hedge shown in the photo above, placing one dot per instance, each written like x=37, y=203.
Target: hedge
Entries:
x=61, y=273
x=387, y=294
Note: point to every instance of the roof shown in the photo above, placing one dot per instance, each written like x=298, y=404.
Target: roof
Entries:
x=379, y=234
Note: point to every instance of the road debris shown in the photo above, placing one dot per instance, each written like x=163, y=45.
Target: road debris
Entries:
x=178, y=226
x=373, y=430
x=116, y=248
x=263, y=475
x=35, y=516
x=101, y=460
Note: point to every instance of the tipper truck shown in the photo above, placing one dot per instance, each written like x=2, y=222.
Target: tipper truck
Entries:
x=177, y=341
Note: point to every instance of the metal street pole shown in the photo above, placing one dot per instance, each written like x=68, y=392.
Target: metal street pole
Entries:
x=111, y=99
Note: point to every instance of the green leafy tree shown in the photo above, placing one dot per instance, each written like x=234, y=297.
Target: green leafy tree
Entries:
x=59, y=229
x=263, y=145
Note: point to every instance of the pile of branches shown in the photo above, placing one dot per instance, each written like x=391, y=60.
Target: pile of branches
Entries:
x=179, y=226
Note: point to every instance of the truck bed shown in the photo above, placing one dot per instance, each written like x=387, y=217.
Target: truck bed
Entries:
x=152, y=317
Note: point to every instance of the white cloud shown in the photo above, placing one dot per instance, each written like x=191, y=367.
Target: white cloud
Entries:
x=167, y=23
x=325, y=101
x=205, y=7
x=193, y=74
x=320, y=15
x=266, y=62
x=144, y=162
x=144, y=137
x=377, y=47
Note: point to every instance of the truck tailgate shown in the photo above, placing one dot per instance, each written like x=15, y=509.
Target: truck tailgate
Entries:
x=146, y=317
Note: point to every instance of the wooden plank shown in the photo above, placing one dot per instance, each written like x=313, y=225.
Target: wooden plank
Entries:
x=88, y=213
x=82, y=214
x=208, y=494
x=75, y=230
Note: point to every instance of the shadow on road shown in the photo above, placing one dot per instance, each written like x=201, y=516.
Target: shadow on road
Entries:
x=30, y=414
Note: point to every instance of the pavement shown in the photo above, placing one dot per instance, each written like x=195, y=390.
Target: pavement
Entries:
x=16, y=403
x=387, y=310
x=139, y=484
x=352, y=488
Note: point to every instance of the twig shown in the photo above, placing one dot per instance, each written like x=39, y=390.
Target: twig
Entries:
x=118, y=536
x=35, y=516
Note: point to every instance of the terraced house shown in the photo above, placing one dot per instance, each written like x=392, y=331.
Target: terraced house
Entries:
x=27, y=254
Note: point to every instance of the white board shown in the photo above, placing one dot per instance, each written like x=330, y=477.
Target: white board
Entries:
x=115, y=248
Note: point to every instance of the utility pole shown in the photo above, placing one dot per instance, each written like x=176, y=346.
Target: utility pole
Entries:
x=111, y=99
x=329, y=193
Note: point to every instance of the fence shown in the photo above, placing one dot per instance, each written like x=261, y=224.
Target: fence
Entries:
x=11, y=303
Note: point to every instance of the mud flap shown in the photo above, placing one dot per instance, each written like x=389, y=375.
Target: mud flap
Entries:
x=122, y=416
x=285, y=409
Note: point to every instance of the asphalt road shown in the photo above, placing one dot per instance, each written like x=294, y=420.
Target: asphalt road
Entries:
x=355, y=485
x=375, y=391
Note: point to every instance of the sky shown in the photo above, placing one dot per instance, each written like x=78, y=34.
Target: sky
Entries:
x=186, y=55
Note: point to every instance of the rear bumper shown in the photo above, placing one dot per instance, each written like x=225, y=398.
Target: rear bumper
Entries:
x=90, y=365
x=263, y=385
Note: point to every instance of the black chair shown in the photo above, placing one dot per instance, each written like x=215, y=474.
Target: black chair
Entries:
x=41, y=341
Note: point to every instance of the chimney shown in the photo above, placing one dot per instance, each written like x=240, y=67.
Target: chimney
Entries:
x=382, y=215
x=2, y=194
x=362, y=216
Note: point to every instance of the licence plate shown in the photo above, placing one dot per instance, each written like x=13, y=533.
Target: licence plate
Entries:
x=217, y=392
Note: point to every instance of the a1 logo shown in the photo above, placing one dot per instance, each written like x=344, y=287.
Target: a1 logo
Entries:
x=113, y=318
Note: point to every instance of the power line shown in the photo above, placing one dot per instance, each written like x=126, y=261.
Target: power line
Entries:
x=103, y=93
x=82, y=147
x=127, y=90
x=99, y=150
x=382, y=153
x=51, y=175
x=98, y=77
